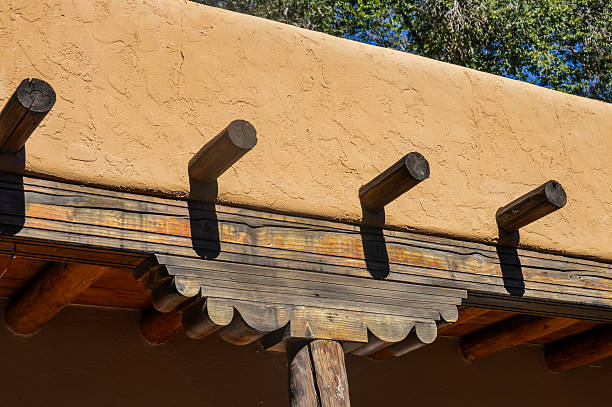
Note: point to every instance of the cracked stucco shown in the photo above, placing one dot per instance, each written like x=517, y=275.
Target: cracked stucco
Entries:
x=142, y=85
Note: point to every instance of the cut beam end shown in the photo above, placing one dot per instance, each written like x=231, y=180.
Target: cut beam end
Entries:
x=220, y=153
x=536, y=204
x=393, y=182
x=24, y=111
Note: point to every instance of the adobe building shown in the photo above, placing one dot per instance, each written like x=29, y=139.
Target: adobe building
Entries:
x=203, y=208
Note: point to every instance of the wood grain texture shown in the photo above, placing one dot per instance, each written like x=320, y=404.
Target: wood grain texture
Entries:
x=250, y=302
x=532, y=206
x=58, y=286
x=302, y=387
x=220, y=153
x=115, y=288
x=123, y=222
x=394, y=181
x=413, y=342
x=273, y=271
x=317, y=376
x=512, y=332
x=580, y=350
x=23, y=112
x=157, y=327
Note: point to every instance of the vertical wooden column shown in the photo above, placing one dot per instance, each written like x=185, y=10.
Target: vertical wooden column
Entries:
x=317, y=375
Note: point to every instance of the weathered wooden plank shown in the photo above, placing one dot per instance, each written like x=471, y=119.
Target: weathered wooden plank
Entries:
x=509, y=333
x=23, y=112
x=309, y=261
x=76, y=253
x=437, y=259
x=153, y=205
x=580, y=350
x=119, y=221
x=532, y=206
x=49, y=294
x=394, y=181
x=220, y=153
x=317, y=375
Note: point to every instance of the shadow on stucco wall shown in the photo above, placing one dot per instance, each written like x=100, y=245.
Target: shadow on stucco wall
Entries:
x=12, y=200
x=510, y=263
x=374, y=244
x=203, y=219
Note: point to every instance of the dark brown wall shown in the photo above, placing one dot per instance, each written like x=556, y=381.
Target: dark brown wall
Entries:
x=96, y=357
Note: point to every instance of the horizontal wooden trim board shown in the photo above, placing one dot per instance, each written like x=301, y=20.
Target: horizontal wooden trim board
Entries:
x=272, y=272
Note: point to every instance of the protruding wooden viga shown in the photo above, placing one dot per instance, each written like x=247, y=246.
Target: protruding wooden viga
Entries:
x=393, y=182
x=24, y=111
x=220, y=153
x=532, y=206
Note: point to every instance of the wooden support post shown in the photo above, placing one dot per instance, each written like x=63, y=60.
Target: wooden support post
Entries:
x=509, y=333
x=317, y=375
x=393, y=182
x=23, y=113
x=580, y=350
x=223, y=151
x=157, y=327
x=532, y=206
x=59, y=285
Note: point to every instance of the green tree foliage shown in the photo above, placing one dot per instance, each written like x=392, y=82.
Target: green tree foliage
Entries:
x=561, y=44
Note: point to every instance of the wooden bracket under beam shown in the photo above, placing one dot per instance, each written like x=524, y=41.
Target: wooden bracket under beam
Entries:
x=57, y=287
x=220, y=153
x=532, y=206
x=317, y=374
x=157, y=327
x=579, y=350
x=509, y=333
x=24, y=111
x=393, y=182
x=412, y=342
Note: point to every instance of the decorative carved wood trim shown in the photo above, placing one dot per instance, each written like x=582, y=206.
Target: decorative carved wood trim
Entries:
x=281, y=276
x=306, y=305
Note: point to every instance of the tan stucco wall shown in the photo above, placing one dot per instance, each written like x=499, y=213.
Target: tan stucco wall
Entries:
x=142, y=85
x=96, y=357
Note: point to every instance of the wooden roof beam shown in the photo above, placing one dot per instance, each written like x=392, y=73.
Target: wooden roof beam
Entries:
x=579, y=350
x=394, y=181
x=532, y=206
x=57, y=287
x=23, y=112
x=220, y=153
x=509, y=333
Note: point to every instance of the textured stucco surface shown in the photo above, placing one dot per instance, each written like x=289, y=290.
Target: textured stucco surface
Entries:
x=142, y=85
x=96, y=357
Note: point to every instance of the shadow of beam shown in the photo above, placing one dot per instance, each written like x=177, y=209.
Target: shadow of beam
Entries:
x=373, y=242
x=510, y=263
